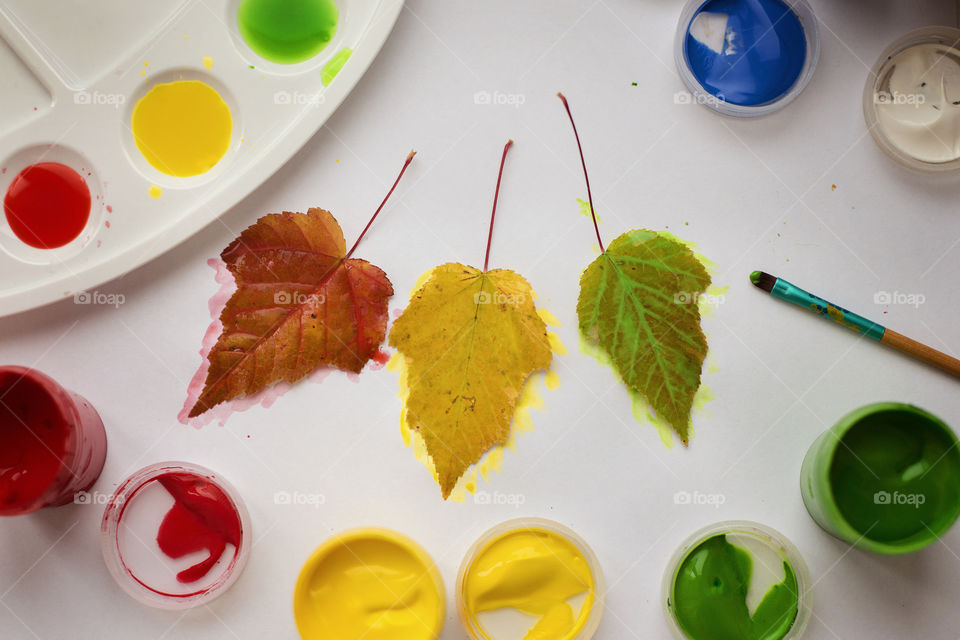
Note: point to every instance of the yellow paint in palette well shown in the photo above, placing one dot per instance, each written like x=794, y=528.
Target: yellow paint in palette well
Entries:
x=530, y=581
x=182, y=128
x=374, y=584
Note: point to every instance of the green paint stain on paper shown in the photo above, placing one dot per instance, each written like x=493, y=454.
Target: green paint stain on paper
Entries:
x=585, y=210
x=287, y=31
x=332, y=68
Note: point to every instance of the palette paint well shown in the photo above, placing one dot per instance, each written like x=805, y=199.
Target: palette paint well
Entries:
x=287, y=31
x=182, y=128
x=47, y=205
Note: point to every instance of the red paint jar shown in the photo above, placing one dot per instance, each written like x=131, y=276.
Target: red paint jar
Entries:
x=52, y=442
x=175, y=535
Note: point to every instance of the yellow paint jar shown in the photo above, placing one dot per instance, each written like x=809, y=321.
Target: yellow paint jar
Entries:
x=369, y=584
x=530, y=578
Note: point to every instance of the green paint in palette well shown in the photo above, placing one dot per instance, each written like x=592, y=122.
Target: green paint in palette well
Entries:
x=710, y=594
x=287, y=31
x=896, y=476
x=332, y=68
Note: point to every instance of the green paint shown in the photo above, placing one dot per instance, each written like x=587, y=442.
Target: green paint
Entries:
x=633, y=84
x=895, y=475
x=287, y=31
x=709, y=595
x=755, y=277
x=585, y=210
x=891, y=447
x=795, y=295
x=332, y=68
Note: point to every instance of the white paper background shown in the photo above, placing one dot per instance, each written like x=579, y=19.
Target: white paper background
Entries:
x=756, y=194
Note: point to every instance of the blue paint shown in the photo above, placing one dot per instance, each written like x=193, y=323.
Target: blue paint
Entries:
x=755, y=58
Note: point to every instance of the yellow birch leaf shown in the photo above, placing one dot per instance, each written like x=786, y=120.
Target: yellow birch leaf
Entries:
x=469, y=339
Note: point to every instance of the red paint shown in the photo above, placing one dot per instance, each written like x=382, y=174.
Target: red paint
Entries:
x=52, y=443
x=381, y=357
x=109, y=209
x=203, y=518
x=47, y=205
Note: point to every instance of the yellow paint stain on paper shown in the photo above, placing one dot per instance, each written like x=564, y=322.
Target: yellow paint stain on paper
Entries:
x=154, y=191
x=182, y=128
x=207, y=62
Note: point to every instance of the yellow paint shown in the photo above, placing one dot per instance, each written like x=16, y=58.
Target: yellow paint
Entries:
x=154, y=191
x=207, y=62
x=535, y=571
x=548, y=317
x=373, y=584
x=552, y=380
x=182, y=128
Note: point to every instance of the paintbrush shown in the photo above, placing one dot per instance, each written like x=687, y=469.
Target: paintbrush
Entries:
x=780, y=288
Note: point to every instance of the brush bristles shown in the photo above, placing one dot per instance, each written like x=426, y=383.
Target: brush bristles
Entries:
x=763, y=280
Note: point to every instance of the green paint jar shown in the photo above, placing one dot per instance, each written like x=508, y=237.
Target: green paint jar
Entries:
x=737, y=580
x=885, y=478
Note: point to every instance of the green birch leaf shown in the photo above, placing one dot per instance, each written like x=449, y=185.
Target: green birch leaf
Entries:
x=638, y=304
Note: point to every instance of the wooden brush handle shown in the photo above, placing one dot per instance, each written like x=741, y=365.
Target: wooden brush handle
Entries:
x=921, y=351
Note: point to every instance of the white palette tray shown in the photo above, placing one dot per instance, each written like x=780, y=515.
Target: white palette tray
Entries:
x=70, y=75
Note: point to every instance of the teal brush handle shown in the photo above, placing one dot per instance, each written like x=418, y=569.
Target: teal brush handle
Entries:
x=795, y=295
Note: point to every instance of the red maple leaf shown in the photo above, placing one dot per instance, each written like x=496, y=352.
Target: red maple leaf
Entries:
x=301, y=302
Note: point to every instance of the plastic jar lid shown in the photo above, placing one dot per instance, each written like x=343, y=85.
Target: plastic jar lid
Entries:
x=874, y=88
x=700, y=95
x=520, y=524
x=130, y=530
x=768, y=536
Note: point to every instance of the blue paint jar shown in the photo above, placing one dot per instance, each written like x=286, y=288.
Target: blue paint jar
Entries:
x=746, y=57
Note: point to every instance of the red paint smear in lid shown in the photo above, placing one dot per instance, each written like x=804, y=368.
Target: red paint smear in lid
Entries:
x=47, y=205
x=203, y=517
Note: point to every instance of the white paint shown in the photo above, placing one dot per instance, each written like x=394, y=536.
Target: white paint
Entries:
x=918, y=109
x=710, y=29
x=767, y=566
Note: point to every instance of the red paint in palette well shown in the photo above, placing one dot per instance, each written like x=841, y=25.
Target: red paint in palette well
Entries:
x=47, y=205
x=202, y=518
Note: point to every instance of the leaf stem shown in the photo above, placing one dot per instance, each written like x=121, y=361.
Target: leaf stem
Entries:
x=496, y=195
x=375, y=213
x=583, y=163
